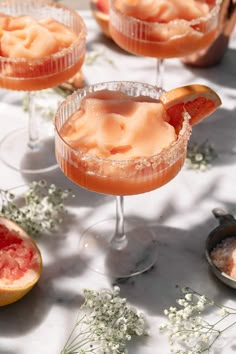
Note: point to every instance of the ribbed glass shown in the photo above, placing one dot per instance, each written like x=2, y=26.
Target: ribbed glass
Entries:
x=118, y=177
x=176, y=38
x=49, y=71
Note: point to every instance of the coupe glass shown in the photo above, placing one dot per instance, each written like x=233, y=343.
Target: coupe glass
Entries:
x=161, y=40
x=30, y=150
x=118, y=247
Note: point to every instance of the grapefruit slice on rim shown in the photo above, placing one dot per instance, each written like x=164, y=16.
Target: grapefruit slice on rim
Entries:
x=103, y=6
x=20, y=262
x=198, y=100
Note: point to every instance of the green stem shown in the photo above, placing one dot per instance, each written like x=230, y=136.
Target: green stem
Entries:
x=220, y=320
x=73, y=330
x=230, y=308
x=82, y=342
x=79, y=345
x=209, y=300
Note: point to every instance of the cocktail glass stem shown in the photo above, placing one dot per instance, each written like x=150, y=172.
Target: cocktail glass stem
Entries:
x=30, y=150
x=160, y=73
x=119, y=240
x=33, y=142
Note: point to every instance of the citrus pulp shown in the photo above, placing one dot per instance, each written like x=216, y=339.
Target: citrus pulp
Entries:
x=20, y=262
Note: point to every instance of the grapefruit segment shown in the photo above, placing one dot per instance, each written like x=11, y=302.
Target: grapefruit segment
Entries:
x=20, y=262
x=198, y=100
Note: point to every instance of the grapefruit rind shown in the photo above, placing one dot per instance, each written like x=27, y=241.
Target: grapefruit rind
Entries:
x=12, y=291
x=188, y=98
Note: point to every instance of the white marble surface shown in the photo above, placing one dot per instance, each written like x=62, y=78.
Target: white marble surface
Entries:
x=180, y=213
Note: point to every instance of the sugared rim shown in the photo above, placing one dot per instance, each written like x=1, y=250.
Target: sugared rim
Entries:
x=81, y=37
x=214, y=11
x=183, y=134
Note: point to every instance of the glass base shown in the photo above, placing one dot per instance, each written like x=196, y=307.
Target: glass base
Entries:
x=16, y=154
x=139, y=254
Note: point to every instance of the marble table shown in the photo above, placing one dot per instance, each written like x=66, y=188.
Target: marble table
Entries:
x=180, y=213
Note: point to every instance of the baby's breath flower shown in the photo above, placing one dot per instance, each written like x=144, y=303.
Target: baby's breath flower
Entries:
x=200, y=156
x=187, y=328
x=106, y=323
x=189, y=297
x=42, y=210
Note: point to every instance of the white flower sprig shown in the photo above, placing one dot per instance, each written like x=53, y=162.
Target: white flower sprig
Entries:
x=200, y=156
x=42, y=209
x=188, y=330
x=105, y=325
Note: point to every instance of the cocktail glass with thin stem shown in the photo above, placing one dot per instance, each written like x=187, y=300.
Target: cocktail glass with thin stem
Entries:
x=31, y=150
x=118, y=247
x=152, y=36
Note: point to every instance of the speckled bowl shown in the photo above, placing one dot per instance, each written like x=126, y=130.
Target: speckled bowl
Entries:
x=227, y=228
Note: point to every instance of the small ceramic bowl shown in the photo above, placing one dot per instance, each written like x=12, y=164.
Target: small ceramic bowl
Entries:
x=227, y=228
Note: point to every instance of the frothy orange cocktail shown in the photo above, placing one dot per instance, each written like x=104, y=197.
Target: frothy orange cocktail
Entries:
x=119, y=143
x=163, y=28
x=37, y=53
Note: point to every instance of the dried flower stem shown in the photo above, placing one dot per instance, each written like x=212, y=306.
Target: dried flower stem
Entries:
x=105, y=324
x=188, y=331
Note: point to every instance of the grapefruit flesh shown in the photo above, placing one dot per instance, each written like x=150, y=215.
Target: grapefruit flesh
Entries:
x=20, y=262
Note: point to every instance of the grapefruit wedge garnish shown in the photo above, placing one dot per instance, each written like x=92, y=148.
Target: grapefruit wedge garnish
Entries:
x=198, y=100
x=20, y=262
x=100, y=11
x=103, y=6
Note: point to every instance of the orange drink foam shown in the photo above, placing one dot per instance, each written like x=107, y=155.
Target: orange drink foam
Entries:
x=36, y=54
x=163, y=29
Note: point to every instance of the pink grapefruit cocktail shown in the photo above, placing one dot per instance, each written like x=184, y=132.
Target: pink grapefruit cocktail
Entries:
x=118, y=143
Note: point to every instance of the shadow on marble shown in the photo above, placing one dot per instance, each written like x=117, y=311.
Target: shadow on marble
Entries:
x=71, y=265
x=36, y=305
x=32, y=307
x=6, y=351
x=218, y=130
x=181, y=262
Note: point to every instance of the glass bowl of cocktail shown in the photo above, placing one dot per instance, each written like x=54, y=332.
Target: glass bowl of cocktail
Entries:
x=118, y=138
x=163, y=28
x=42, y=45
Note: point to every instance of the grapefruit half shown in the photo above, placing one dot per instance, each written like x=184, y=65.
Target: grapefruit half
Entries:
x=20, y=262
x=198, y=100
